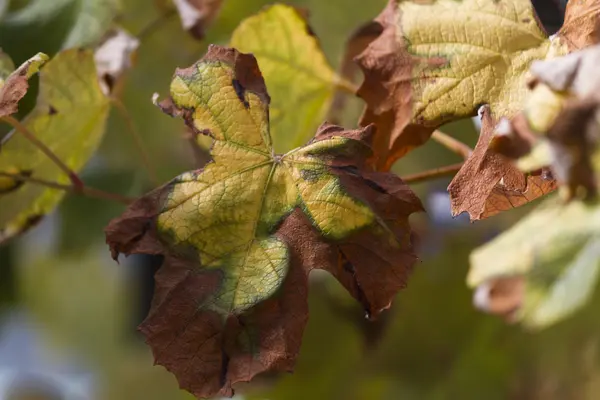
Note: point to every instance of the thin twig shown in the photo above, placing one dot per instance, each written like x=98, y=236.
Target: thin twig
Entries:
x=139, y=143
x=84, y=190
x=452, y=144
x=432, y=173
x=345, y=85
x=22, y=129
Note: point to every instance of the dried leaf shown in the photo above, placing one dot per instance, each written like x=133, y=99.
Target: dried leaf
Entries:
x=69, y=118
x=113, y=57
x=489, y=183
x=14, y=87
x=197, y=15
x=240, y=236
x=440, y=60
x=582, y=24
x=299, y=78
x=544, y=268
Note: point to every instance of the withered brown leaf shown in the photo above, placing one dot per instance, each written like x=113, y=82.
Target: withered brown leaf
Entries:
x=582, y=24
x=490, y=183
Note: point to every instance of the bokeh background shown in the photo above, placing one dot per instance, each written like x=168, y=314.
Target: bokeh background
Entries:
x=68, y=313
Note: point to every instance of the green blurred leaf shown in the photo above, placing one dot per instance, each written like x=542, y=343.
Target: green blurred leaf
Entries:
x=556, y=249
x=299, y=78
x=69, y=118
x=56, y=24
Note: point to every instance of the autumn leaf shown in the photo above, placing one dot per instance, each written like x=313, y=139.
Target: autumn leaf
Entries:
x=14, y=86
x=197, y=15
x=488, y=183
x=582, y=24
x=300, y=80
x=240, y=236
x=544, y=268
x=69, y=119
x=440, y=60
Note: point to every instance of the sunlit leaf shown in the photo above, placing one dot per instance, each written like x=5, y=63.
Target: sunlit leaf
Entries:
x=240, y=236
x=69, y=118
x=299, y=78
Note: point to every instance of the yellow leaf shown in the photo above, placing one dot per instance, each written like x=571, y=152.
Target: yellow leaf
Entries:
x=299, y=78
x=69, y=118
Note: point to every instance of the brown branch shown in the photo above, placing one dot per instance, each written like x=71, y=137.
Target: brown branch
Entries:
x=432, y=174
x=452, y=144
x=139, y=143
x=83, y=190
x=22, y=129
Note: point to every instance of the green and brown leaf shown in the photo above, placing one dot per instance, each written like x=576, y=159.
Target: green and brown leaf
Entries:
x=240, y=236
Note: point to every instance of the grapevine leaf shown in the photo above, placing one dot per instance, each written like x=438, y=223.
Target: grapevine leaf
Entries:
x=489, y=184
x=240, y=236
x=542, y=269
x=69, y=118
x=440, y=60
x=299, y=78
x=197, y=15
x=582, y=24
x=14, y=87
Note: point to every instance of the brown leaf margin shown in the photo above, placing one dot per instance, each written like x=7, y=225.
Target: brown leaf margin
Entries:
x=209, y=352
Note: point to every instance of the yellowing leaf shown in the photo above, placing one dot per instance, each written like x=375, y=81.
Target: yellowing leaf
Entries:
x=556, y=251
x=440, y=60
x=300, y=80
x=69, y=118
x=240, y=236
x=14, y=86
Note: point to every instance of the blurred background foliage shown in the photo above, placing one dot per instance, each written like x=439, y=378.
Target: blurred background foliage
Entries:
x=68, y=313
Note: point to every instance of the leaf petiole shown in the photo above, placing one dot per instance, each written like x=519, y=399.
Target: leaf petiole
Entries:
x=452, y=144
x=139, y=143
x=83, y=190
x=432, y=173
